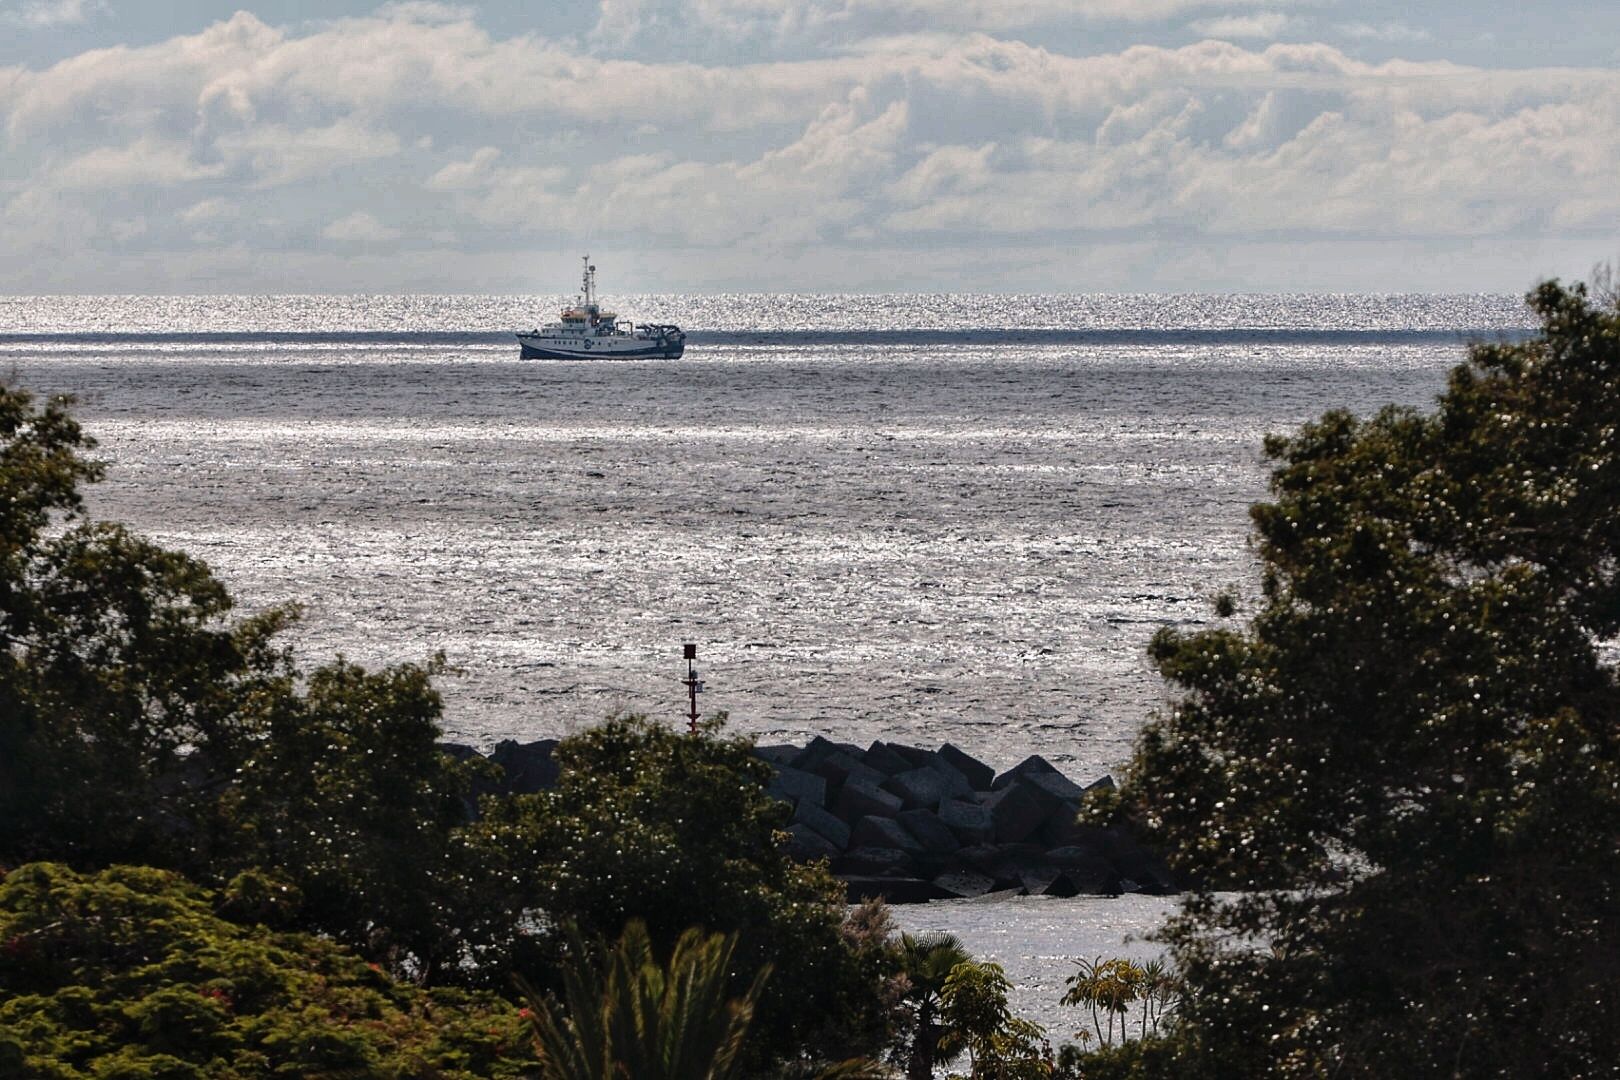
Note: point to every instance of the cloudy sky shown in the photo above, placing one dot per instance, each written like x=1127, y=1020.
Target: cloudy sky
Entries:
x=849, y=145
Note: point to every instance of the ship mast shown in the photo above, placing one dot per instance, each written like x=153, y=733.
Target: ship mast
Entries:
x=588, y=286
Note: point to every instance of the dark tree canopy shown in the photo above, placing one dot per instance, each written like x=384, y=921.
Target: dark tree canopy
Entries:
x=114, y=656
x=1409, y=758
x=141, y=723
x=653, y=825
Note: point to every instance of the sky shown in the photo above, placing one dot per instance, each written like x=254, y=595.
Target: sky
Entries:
x=807, y=145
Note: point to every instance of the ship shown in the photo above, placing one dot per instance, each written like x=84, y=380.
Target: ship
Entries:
x=586, y=332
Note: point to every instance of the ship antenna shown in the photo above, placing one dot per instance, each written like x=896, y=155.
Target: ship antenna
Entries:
x=588, y=286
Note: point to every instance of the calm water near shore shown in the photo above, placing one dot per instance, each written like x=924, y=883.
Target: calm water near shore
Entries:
x=925, y=519
x=1036, y=938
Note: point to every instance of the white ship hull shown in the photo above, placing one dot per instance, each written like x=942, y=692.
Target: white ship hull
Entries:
x=543, y=346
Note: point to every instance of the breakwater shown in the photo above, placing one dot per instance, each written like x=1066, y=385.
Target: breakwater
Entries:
x=911, y=824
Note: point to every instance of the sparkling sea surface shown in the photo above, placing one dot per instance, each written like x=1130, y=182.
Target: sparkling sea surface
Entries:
x=916, y=518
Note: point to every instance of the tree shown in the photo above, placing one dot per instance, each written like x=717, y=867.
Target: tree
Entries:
x=1106, y=987
x=340, y=786
x=1409, y=758
x=977, y=1021
x=117, y=659
x=629, y=1015
x=926, y=962
x=677, y=831
x=140, y=723
x=132, y=972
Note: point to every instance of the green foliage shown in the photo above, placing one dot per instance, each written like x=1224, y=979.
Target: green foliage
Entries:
x=1152, y=1058
x=927, y=962
x=629, y=1015
x=977, y=1021
x=130, y=973
x=1410, y=757
x=41, y=467
x=139, y=724
x=341, y=788
x=1111, y=988
x=116, y=659
x=677, y=831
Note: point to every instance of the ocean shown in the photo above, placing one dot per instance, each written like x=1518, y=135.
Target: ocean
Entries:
x=917, y=518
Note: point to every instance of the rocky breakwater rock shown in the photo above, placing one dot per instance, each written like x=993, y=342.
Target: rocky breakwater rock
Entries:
x=910, y=825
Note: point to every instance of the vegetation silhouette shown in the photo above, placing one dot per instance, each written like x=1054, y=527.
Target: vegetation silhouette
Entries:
x=629, y=1015
x=1407, y=759
x=926, y=962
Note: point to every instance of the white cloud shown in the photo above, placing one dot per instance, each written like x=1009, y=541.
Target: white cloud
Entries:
x=788, y=195
x=957, y=142
x=208, y=210
x=460, y=175
x=1397, y=32
x=278, y=154
x=428, y=11
x=43, y=14
x=128, y=230
x=148, y=161
x=359, y=227
x=1264, y=25
x=843, y=21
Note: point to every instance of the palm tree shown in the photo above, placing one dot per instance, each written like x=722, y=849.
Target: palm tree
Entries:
x=629, y=1016
x=1108, y=987
x=927, y=962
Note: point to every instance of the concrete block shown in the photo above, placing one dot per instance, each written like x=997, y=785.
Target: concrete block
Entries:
x=1063, y=829
x=970, y=822
x=965, y=883
x=858, y=798
x=840, y=767
x=915, y=756
x=996, y=862
x=828, y=825
x=777, y=754
x=528, y=767
x=1016, y=813
x=884, y=832
x=978, y=774
x=814, y=752
x=805, y=844
x=880, y=757
x=1054, y=788
x=930, y=831
x=872, y=862
x=1039, y=878
x=955, y=783
x=793, y=785
x=1096, y=877
x=1141, y=871
x=1077, y=856
x=919, y=787
x=1033, y=763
